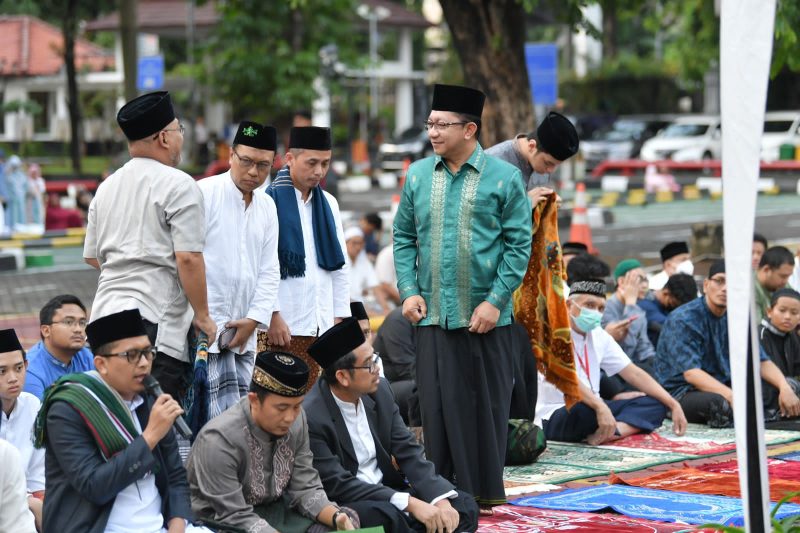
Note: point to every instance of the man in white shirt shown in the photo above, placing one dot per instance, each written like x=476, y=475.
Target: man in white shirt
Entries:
x=145, y=233
x=241, y=257
x=14, y=513
x=357, y=437
x=675, y=258
x=19, y=410
x=363, y=281
x=386, y=274
x=314, y=290
x=593, y=419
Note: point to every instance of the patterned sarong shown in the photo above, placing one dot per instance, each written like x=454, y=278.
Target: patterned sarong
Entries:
x=539, y=304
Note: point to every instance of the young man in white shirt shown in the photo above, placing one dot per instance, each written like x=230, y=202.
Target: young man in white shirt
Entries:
x=357, y=436
x=19, y=410
x=241, y=256
x=314, y=291
x=593, y=419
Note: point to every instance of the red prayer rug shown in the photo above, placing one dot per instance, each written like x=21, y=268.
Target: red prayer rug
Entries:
x=516, y=519
x=703, y=482
x=654, y=441
x=777, y=468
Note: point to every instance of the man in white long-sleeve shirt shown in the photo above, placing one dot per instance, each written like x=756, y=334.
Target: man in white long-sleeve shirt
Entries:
x=241, y=255
x=314, y=291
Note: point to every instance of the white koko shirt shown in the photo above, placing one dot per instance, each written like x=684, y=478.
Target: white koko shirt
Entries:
x=241, y=255
x=310, y=303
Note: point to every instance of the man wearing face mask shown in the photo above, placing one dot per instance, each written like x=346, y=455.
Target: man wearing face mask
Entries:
x=593, y=419
x=675, y=258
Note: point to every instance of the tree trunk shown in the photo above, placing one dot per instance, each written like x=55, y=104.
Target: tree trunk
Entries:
x=609, y=29
x=489, y=37
x=69, y=27
x=127, y=29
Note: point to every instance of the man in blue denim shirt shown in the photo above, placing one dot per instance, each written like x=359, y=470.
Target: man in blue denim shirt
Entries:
x=693, y=364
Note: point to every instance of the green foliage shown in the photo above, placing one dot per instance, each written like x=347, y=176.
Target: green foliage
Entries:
x=29, y=107
x=264, y=57
x=20, y=7
x=691, y=29
x=786, y=49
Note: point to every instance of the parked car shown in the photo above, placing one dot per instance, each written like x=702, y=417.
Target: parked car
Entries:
x=413, y=144
x=780, y=127
x=621, y=140
x=689, y=138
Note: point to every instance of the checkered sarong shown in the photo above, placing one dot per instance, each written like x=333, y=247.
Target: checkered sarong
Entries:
x=229, y=376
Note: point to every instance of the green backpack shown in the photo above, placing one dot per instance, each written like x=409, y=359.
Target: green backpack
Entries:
x=526, y=442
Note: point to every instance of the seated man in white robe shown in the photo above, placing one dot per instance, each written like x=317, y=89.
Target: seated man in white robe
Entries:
x=593, y=419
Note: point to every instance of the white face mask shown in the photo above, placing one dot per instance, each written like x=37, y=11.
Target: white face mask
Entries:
x=686, y=267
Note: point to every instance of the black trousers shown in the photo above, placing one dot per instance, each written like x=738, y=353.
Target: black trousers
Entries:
x=403, y=391
x=174, y=376
x=393, y=520
x=465, y=382
x=707, y=408
x=575, y=425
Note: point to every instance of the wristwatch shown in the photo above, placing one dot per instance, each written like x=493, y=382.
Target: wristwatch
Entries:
x=336, y=515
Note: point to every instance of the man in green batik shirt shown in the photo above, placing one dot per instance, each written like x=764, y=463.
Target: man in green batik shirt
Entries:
x=462, y=242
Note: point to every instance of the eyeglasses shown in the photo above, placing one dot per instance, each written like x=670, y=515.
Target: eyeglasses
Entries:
x=372, y=366
x=71, y=322
x=247, y=163
x=720, y=282
x=441, y=126
x=181, y=128
x=133, y=356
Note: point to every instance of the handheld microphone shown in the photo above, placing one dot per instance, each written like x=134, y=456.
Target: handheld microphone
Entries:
x=154, y=389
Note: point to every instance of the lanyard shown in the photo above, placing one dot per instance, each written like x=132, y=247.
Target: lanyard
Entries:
x=585, y=363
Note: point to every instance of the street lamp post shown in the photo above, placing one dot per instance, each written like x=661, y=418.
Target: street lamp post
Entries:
x=373, y=14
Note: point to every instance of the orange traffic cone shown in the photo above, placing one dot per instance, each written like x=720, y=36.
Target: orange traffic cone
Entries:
x=402, y=181
x=579, y=231
x=395, y=204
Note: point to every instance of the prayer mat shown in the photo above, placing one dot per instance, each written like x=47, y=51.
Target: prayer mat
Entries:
x=604, y=460
x=515, y=489
x=794, y=456
x=514, y=476
x=702, y=482
x=777, y=469
x=727, y=435
x=515, y=519
x=650, y=504
x=671, y=443
x=540, y=307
